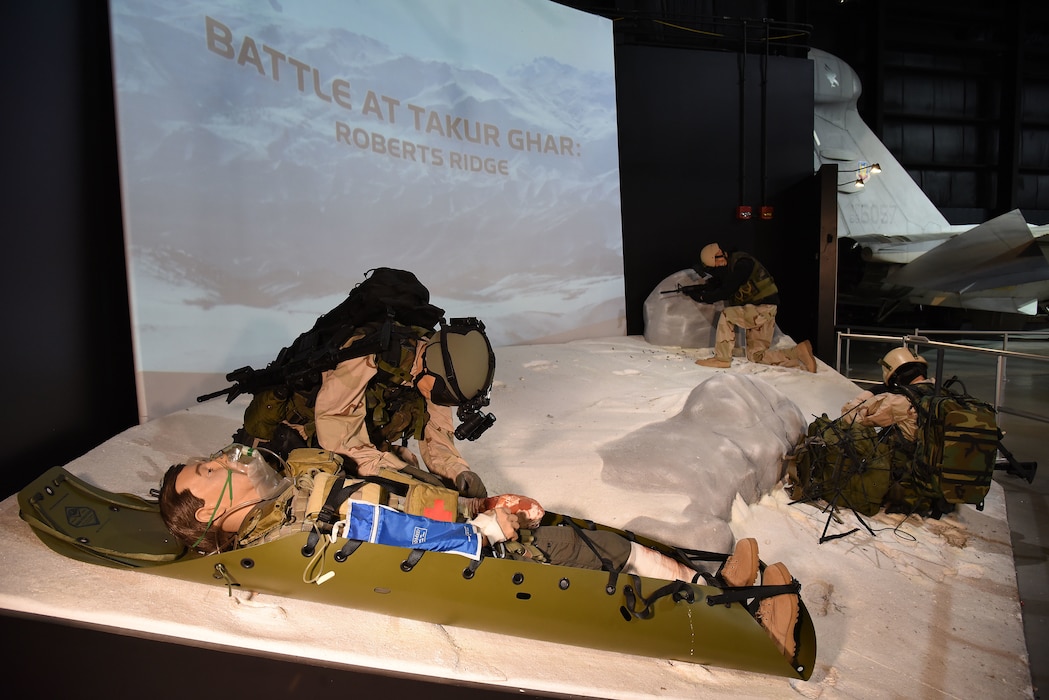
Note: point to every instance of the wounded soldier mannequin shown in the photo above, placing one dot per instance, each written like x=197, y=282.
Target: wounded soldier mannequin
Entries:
x=890, y=409
x=235, y=499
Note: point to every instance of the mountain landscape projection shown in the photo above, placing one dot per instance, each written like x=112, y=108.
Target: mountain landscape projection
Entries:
x=271, y=155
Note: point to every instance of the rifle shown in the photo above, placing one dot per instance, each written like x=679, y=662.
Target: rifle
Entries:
x=299, y=365
x=685, y=289
x=703, y=276
x=303, y=371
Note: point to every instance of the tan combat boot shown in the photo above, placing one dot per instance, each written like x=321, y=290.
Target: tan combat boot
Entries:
x=741, y=568
x=779, y=614
x=805, y=356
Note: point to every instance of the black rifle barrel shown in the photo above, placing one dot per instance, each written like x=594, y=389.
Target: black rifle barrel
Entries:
x=220, y=392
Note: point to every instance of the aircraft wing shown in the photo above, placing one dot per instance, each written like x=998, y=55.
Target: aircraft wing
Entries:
x=1001, y=265
x=1021, y=299
x=896, y=249
x=896, y=245
x=1002, y=252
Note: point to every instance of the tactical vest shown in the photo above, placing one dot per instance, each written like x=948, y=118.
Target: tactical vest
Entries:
x=267, y=521
x=316, y=473
x=759, y=286
x=396, y=409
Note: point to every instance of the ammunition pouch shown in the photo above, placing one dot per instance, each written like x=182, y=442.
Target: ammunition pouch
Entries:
x=308, y=461
x=417, y=497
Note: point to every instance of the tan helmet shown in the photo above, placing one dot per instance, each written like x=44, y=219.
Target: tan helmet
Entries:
x=899, y=358
x=460, y=358
x=708, y=256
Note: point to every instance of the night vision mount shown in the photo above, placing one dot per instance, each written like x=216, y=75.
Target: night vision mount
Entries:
x=473, y=421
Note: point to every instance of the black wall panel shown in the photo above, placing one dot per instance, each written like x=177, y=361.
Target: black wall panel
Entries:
x=66, y=358
x=702, y=133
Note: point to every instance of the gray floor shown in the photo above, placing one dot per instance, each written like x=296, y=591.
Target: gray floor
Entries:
x=1028, y=507
x=1025, y=386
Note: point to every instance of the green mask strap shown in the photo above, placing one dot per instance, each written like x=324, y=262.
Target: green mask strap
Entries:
x=218, y=502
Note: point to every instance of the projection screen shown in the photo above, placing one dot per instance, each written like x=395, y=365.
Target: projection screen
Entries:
x=272, y=153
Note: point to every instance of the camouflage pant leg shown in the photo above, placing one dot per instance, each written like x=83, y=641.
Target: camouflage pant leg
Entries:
x=787, y=357
x=562, y=545
x=759, y=322
x=725, y=335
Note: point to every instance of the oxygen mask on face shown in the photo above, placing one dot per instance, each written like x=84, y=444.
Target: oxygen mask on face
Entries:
x=250, y=462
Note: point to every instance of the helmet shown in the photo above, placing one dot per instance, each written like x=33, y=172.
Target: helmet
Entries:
x=462, y=362
x=708, y=255
x=901, y=361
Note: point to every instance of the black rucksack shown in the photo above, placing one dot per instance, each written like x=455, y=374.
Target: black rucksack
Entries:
x=386, y=296
x=389, y=305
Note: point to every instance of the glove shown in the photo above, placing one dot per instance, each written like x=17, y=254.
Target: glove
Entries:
x=470, y=485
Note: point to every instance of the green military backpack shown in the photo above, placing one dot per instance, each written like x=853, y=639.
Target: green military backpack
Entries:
x=856, y=467
x=951, y=461
x=956, y=446
x=847, y=466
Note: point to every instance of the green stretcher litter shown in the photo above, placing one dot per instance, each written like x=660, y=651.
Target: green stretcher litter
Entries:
x=694, y=623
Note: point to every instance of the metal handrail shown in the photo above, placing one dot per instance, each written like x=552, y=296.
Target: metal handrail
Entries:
x=919, y=340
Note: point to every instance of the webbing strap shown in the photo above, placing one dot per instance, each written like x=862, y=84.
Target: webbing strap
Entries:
x=606, y=563
x=347, y=549
x=328, y=515
x=745, y=593
x=678, y=590
x=396, y=487
x=471, y=568
x=692, y=556
x=413, y=559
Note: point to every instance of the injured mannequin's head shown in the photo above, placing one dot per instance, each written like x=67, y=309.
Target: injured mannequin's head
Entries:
x=205, y=501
